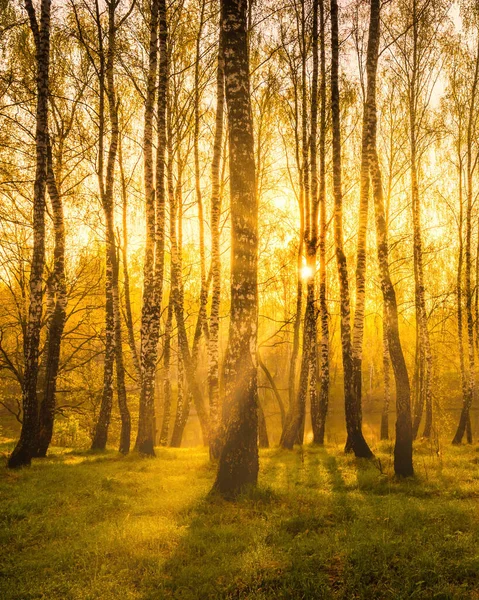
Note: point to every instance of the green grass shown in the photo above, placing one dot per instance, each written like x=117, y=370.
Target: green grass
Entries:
x=320, y=525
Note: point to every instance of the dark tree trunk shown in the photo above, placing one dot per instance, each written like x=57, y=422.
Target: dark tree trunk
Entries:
x=263, y=439
x=403, y=465
x=469, y=387
x=100, y=435
x=295, y=423
x=387, y=384
x=238, y=463
x=274, y=387
x=424, y=389
x=355, y=417
x=165, y=424
x=25, y=447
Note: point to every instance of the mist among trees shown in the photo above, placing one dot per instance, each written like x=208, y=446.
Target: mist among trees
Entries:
x=247, y=231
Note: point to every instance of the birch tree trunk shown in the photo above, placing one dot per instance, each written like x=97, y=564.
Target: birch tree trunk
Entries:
x=238, y=463
x=199, y=197
x=318, y=430
x=214, y=323
x=469, y=388
x=113, y=333
x=182, y=406
x=323, y=306
x=424, y=395
x=56, y=322
x=294, y=428
x=460, y=318
x=403, y=465
x=292, y=391
x=356, y=441
x=153, y=265
x=126, y=275
x=25, y=447
x=102, y=425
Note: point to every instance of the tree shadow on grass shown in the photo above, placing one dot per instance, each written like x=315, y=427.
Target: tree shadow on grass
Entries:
x=318, y=526
x=293, y=539
x=273, y=542
x=223, y=550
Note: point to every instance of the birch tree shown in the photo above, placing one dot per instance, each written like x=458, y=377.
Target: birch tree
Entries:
x=106, y=181
x=214, y=322
x=356, y=441
x=25, y=447
x=403, y=463
x=155, y=202
x=238, y=463
x=469, y=163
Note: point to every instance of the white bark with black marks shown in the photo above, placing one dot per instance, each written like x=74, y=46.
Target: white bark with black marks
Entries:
x=238, y=463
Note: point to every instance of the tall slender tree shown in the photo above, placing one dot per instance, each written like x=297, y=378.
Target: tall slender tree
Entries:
x=25, y=448
x=106, y=179
x=155, y=198
x=238, y=463
x=214, y=322
x=323, y=305
x=356, y=441
x=403, y=463
x=56, y=323
x=471, y=161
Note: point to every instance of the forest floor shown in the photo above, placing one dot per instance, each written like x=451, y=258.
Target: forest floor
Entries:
x=320, y=525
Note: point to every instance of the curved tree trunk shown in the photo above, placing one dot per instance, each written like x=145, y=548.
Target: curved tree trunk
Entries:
x=274, y=387
x=316, y=422
x=403, y=465
x=178, y=304
x=263, y=439
x=295, y=423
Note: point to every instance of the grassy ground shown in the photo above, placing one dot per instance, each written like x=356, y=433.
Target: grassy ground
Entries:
x=320, y=525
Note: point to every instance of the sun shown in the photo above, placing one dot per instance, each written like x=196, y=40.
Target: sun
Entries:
x=306, y=272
